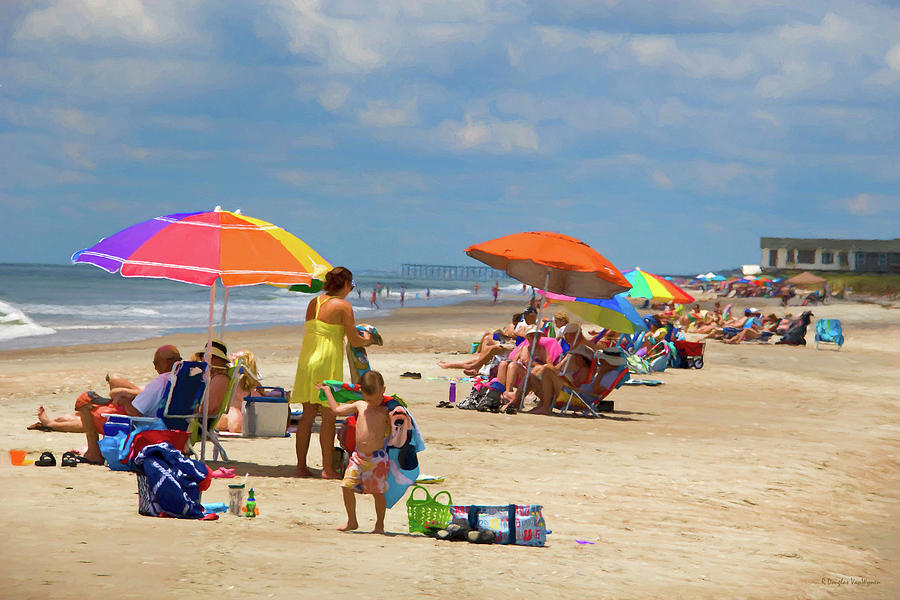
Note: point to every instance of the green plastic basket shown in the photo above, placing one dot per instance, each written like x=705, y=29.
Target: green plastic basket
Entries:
x=428, y=512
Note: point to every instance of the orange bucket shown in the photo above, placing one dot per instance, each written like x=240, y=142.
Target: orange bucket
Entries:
x=17, y=457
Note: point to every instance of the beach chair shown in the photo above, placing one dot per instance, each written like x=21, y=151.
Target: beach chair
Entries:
x=578, y=403
x=828, y=331
x=213, y=420
x=180, y=407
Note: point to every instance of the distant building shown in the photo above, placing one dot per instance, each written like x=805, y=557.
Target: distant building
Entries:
x=878, y=256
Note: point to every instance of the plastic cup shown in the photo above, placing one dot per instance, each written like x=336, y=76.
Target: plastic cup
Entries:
x=235, y=498
x=17, y=457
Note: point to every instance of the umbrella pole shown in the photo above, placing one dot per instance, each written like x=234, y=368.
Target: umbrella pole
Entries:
x=207, y=374
x=533, y=347
x=224, y=312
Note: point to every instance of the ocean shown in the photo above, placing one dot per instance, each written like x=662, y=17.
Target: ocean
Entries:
x=61, y=305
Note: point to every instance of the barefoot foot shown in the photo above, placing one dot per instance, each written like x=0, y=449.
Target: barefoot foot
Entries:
x=349, y=526
x=42, y=416
x=303, y=472
x=327, y=475
x=378, y=528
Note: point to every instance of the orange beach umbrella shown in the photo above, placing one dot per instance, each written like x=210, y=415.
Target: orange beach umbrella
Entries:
x=553, y=262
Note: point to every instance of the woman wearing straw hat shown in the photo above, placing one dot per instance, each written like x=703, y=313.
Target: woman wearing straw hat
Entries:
x=329, y=318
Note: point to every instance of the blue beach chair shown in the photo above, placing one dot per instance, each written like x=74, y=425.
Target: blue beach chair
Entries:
x=828, y=331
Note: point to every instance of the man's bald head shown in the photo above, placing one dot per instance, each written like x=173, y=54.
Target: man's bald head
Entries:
x=165, y=358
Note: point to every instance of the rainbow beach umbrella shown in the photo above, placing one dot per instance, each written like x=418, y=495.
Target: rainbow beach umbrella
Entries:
x=654, y=287
x=615, y=313
x=204, y=248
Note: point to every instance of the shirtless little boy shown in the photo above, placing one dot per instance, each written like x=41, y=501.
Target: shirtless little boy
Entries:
x=369, y=465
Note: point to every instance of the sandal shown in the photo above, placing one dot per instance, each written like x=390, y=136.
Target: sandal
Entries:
x=69, y=460
x=511, y=410
x=46, y=460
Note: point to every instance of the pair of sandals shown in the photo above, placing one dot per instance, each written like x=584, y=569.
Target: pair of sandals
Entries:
x=69, y=459
x=445, y=404
x=455, y=533
x=411, y=375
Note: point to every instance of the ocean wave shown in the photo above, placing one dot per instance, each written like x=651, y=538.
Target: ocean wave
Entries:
x=16, y=324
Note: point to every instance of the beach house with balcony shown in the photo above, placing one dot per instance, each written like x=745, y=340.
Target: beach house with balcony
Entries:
x=822, y=254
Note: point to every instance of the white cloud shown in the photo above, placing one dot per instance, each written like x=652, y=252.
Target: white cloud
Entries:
x=385, y=114
x=833, y=29
x=660, y=180
x=94, y=22
x=294, y=177
x=489, y=134
x=72, y=118
x=584, y=114
x=892, y=58
x=333, y=96
x=793, y=78
x=767, y=117
x=664, y=52
x=861, y=204
x=76, y=153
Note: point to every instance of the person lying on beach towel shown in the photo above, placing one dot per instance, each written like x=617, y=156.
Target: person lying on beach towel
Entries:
x=489, y=348
x=755, y=331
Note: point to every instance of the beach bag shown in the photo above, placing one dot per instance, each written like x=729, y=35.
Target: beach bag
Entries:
x=520, y=524
x=471, y=401
x=491, y=401
x=428, y=512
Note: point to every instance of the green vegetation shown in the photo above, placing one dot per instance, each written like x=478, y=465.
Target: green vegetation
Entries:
x=866, y=284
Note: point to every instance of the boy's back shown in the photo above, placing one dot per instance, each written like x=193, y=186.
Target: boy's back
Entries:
x=372, y=426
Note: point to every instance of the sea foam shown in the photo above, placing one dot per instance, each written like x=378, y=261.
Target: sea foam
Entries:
x=16, y=324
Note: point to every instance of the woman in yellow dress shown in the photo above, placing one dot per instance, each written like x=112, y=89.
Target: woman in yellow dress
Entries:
x=329, y=318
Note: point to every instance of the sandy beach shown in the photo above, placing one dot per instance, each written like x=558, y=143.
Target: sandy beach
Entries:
x=770, y=473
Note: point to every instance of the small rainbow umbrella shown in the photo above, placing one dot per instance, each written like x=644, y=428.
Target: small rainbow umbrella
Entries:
x=654, y=287
x=206, y=247
x=615, y=313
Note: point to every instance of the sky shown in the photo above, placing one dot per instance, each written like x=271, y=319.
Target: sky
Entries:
x=667, y=135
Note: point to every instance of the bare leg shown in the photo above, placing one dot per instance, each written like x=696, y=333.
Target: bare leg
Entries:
x=350, y=507
x=547, y=394
x=304, y=431
x=326, y=440
x=379, y=513
x=63, y=424
x=93, y=453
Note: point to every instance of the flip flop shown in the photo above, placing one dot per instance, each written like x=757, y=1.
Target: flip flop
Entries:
x=46, y=460
x=412, y=375
x=69, y=460
x=81, y=459
x=38, y=427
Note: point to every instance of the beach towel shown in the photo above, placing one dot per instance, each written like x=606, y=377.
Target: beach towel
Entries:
x=174, y=482
x=399, y=477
